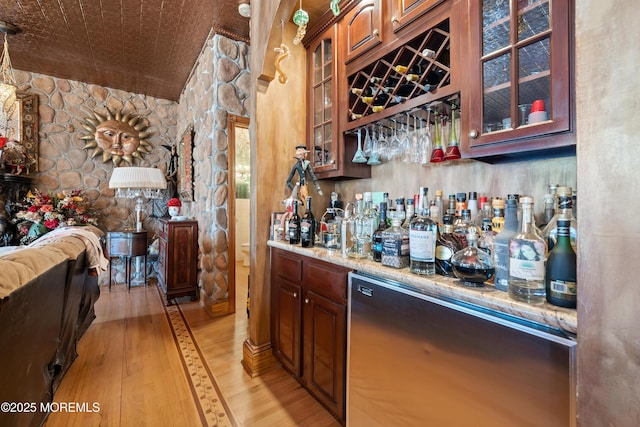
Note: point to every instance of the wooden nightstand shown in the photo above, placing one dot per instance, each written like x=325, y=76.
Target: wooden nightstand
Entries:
x=127, y=244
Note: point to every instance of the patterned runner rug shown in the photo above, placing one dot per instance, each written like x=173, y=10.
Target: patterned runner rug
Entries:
x=212, y=407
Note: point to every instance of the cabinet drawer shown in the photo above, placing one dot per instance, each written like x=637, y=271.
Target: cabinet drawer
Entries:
x=326, y=279
x=287, y=266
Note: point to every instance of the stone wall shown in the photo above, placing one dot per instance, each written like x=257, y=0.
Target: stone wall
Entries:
x=219, y=85
x=63, y=162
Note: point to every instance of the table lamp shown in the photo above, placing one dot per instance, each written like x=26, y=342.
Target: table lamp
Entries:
x=138, y=183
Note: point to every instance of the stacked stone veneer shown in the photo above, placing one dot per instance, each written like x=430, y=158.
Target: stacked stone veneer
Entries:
x=219, y=85
x=63, y=162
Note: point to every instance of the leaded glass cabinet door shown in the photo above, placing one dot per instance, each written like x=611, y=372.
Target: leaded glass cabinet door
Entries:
x=520, y=73
x=323, y=101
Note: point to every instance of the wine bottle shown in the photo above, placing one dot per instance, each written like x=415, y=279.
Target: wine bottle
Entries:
x=293, y=225
x=501, y=245
x=560, y=279
x=308, y=226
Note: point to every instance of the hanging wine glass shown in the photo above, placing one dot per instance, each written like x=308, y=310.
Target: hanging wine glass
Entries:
x=395, y=141
x=437, y=154
x=426, y=141
x=368, y=143
x=452, y=152
x=359, y=157
x=383, y=143
x=405, y=141
x=374, y=158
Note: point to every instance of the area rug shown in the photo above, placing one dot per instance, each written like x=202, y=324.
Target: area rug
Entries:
x=212, y=407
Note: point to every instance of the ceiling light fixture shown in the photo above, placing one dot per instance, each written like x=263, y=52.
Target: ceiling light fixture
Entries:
x=244, y=8
x=8, y=86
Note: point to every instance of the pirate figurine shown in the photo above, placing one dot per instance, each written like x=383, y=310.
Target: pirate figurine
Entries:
x=303, y=167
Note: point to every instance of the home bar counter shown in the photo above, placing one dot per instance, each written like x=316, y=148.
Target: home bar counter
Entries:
x=370, y=341
x=449, y=288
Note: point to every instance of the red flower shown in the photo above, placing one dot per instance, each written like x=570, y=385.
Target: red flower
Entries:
x=52, y=223
x=34, y=208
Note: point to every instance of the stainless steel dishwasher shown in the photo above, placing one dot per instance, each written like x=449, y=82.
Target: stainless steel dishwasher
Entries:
x=417, y=360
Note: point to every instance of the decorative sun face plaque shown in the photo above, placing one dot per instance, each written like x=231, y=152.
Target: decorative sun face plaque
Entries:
x=116, y=137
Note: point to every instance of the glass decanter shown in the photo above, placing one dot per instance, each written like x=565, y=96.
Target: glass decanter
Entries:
x=472, y=265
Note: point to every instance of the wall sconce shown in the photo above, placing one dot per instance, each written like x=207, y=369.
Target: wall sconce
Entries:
x=244, y=8
x=138, y=183
x=8, y=84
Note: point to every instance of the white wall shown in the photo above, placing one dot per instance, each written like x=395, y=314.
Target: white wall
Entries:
x=242, y=226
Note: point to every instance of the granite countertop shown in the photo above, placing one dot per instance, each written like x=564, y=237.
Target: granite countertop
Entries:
x=440, y=286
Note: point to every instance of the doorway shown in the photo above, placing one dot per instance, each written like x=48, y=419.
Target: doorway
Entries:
x=239, y=193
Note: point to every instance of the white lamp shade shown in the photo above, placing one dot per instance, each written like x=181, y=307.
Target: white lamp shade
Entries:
x=138, y=177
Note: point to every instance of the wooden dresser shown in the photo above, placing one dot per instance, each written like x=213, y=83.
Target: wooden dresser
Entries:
x=178, y=259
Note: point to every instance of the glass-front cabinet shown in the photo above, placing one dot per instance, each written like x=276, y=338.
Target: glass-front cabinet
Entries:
x=519, y=78
x=323, y=97
x=330, y=153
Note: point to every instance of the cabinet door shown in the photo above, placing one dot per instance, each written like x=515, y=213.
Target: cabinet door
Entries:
x=287, y=318
x=162, y=263
x=404, y=12
x=183, y=255
x=323, y=105
x=361, y=28
x=519, y=76
x=325, y=351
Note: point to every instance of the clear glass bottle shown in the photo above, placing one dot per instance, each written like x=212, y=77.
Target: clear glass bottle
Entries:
x=361, y=247
x=395, y=244
x=501, y=246
x=440, y=205
x=527, y=256
x=560, y=278
x=461, y=226
x=487, y=239
x=409, y=214
x=549, y=209
x=308, y=226
x=472, y=265
x=423, y=234
x=565, y=210
x=446, y=246
x=293, y=225
x=376, y=240
x=347, y=230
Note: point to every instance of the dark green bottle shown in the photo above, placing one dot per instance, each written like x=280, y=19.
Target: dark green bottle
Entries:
x=560, y=278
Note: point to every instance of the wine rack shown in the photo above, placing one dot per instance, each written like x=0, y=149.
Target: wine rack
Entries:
x=419, y=70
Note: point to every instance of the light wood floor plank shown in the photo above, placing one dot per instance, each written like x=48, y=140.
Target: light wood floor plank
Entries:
x=128, y=363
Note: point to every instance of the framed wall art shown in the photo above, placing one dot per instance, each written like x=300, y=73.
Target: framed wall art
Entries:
x=185, y=165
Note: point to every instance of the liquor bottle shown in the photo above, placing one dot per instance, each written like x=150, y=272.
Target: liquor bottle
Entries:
x=549, y=209
x=461, y=203
x=423, y=234
x=347, y=229
x=293, y=225
x=395, y=246
x=440, y=205
x=497, y=222
x=376, y=240
x=560, y=279
x=471, y=265
x=461, y=226
x=565, y=210
x=409, y=214
x=501, y=246
x=434, y=212
x=451, y=207
x=472, y=204
x=308, y=226
x=446, y=246
x=527, y=256
x=361, y=237
x=487, y=239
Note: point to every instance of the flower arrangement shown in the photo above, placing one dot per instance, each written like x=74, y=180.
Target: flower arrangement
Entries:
x=42, y=213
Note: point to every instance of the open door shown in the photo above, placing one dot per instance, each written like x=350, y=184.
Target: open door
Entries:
x=239, y=212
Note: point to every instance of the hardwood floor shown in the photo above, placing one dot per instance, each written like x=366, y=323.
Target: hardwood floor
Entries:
x=129, y=365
